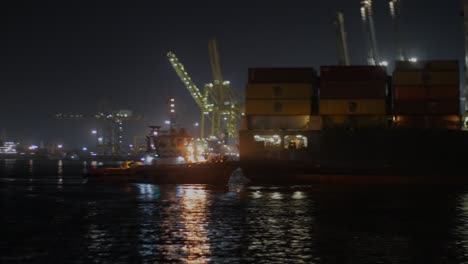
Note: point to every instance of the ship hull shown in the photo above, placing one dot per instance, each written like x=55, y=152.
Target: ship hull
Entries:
x=216, y=173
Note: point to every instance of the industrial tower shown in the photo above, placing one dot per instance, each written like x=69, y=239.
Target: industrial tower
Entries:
x=112, y=138
x=217, y=101
x=342, y=42
x=369, y=29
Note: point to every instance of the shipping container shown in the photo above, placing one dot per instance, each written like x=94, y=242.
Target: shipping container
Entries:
x=441, y=78
x=442, y=65
x=426, y=65
x=407, y=121
x=448, y=107
x=352, y=73
x=279, y=91
x=278, y=107
x=315, y=123
x=443, y=92
x=356, y=122
x=361, y=89
x=352, y=107
x=415, y=92
x=301, y=122
x=407, y=78
x=451, y=122
x=410, y=66
x=282, y=75
x=409, y=107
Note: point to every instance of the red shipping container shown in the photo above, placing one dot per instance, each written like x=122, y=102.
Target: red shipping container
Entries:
x=406, y=121
x=451, y=107
x=443, y=92
x=445, y=122
x=409, y=92
x=282, y=75
x=363, y=90
x=353, y=73
x=407, y=107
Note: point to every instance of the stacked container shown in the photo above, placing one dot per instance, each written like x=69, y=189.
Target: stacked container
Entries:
x=426, y=94
x=353, y=96
x=278, y=98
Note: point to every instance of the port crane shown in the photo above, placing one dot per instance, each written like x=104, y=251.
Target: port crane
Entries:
x=218, y=100
x=114, y=120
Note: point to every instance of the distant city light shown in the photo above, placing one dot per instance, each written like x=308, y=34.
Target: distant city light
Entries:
x=33, y=147
x=413, y=59
x=100, y=139
x=172, y=100
x=60, y=146
x=172, y=110
x=94, y=132
x=167, y=122
x=131, y=146
x=196, y=124
x=84, y=148
x=172, y=105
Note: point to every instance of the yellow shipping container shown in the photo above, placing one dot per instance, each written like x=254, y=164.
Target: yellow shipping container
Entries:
x=352, y=107
x=279, y=91
x=277, y=107
x=441, y=78
x=402, y=78
x=346, y=121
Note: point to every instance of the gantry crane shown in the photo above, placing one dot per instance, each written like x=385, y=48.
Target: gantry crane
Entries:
x=218, y=100
x=114, y=120
x=394, y=6
x=226, y=99
x=200, y=98
x=369, y=28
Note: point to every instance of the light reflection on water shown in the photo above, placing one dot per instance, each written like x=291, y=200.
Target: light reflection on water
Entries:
x=145, y=223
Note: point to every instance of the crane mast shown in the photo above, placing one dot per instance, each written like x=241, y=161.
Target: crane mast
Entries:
x=394, y=6
x=368, y=23
x=342, y=42
x=227, y=106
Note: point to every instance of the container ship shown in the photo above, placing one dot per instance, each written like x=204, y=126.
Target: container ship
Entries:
x=354, y=120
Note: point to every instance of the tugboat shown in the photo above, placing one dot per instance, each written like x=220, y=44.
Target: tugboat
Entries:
x=172, y=157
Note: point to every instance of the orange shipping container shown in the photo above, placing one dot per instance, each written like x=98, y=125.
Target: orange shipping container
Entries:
x=405, y=121
x=279, y=91
x=409, y=92
x=443, y=92
x=278, y=122
x=278, y=107
x=352, y=107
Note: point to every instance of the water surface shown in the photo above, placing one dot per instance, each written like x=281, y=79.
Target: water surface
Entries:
x=48, y=214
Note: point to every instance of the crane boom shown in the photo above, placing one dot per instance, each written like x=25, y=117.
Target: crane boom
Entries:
x=199, y=98
x=214, y=58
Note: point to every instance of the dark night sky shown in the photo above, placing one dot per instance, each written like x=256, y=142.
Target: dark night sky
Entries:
x=63, y=57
